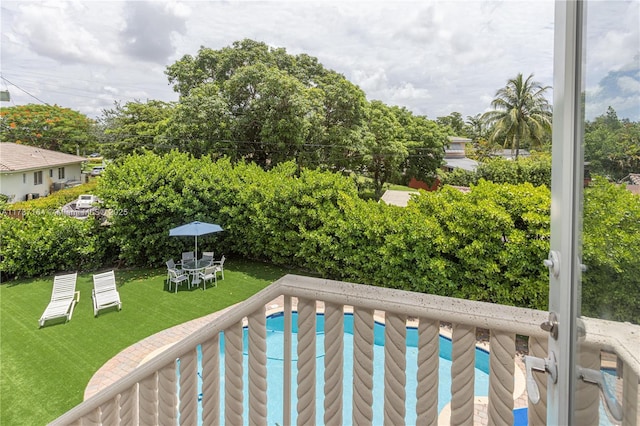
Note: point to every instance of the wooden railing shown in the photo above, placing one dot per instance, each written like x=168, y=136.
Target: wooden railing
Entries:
x=165, y=391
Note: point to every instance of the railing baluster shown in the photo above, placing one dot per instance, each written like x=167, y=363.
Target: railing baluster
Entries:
x=587, y=394
x=93, y=418
x=233, y=400
x=462, y=374
x=306, y=362
x=108, y=413
x=537, y=413
x=258, y=368
x=128, y=402
x=630, y=397
x=189, y=388
x=362, y=366
x=395, y=366
x=148, y=394
x=167, y=394
x=211, y=381
x=428, y=372
x=501, y=370
x=333, y=363
x=286, y=387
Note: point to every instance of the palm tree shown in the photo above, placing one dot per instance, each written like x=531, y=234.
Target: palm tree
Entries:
x=520, y=113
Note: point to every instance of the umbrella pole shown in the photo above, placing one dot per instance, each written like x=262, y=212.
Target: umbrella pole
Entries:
x=196, y=248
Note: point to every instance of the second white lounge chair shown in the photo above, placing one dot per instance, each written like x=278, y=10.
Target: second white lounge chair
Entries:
x=63, y=298
x=105, y=293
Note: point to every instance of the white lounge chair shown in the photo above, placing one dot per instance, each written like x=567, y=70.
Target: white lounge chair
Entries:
x=63, y=298
x=105, y=294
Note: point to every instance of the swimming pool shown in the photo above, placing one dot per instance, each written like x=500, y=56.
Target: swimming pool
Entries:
x=275, y=349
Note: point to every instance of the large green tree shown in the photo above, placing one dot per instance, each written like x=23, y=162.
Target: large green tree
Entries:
x=46, y=126
x=424, y=141
x=521, y=114
x=274, y=102
x=612, y=146
x=385, y=150
x=135, y=127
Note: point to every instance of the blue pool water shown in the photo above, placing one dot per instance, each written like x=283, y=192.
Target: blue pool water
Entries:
x=275, y=347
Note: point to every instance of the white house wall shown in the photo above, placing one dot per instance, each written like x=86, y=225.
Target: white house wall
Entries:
x=16, y=187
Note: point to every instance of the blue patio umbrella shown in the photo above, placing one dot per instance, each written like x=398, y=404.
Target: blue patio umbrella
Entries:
x=195, y=229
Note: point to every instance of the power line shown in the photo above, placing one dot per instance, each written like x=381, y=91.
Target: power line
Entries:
x=33, y=96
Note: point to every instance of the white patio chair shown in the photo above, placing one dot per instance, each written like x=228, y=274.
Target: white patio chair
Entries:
x=219, y=264
x=209, y=273
x=207, y=255
x=188, y=256
x=177, y=277
x=105, y=294
x=171, y=265
x=63, y=298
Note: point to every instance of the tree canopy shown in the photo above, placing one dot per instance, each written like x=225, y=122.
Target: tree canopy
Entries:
x=256, y=103
x=46, y=126
x=521, y=114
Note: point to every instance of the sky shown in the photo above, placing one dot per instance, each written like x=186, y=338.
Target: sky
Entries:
x=432, y=57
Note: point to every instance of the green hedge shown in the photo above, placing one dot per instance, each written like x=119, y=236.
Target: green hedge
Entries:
x=535, y=170
x=485, y=245
x=44, y=243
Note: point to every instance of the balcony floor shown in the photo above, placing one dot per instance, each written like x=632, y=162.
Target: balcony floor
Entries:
x=130, y=358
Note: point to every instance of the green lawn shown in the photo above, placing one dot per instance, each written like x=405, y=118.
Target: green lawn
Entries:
x=43, y=372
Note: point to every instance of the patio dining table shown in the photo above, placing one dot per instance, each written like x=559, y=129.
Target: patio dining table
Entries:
x=193, y=267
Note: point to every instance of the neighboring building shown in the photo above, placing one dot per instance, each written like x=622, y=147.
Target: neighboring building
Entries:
x=29, y=172
x=455, y=157
x=510, y=154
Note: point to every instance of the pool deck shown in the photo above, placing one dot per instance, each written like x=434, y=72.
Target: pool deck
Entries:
x=130, y=358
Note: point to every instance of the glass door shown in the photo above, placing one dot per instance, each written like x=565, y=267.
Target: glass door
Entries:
x=594, y=260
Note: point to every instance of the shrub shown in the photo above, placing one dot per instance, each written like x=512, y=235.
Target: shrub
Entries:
x=43, y=243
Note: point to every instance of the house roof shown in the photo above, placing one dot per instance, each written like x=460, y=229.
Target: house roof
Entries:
x=461, y=163
x=15, y=157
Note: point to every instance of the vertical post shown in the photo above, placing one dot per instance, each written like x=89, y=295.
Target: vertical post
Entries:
x=566, y=187
x=306, y=362
x=286, y=387
x=362, y=366
x=333, y=363
x=463, y=357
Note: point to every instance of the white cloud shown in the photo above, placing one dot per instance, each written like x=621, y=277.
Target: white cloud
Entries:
x=432, y=56
x=53, y=30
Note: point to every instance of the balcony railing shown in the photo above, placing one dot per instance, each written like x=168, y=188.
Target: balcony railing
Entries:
x=163, y=390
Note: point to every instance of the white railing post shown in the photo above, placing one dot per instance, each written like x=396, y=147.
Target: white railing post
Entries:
x=428, y=372
x=587, y=394
x=501, y=370
x=630, y=398
x=463, y=356
x=167, y=394
x=189, y=388
x=211, y=381
x=148, y=395
x=257, y=368
x=362, y=366
x=233, y=383
x=537, y=413
x=395, y=367
x=287, y=365
x=306, y=362
x=333, y=363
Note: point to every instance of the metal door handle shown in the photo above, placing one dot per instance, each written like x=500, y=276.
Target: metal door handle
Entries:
x=597, y=377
